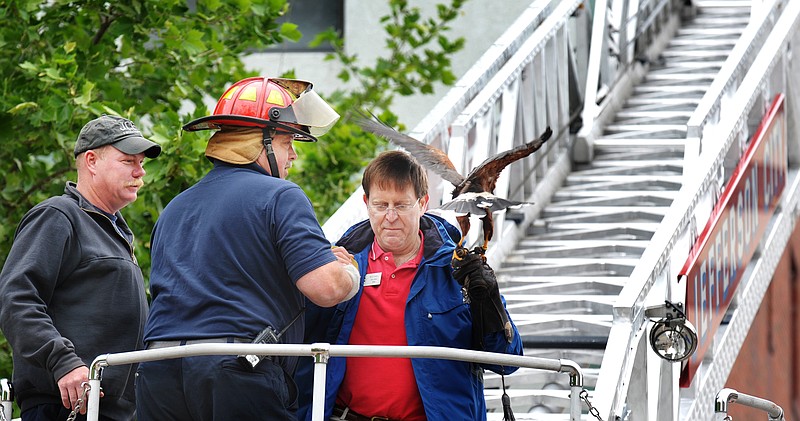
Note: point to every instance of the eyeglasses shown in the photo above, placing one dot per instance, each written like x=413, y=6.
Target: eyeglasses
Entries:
x=295, y=136
x=383, y=208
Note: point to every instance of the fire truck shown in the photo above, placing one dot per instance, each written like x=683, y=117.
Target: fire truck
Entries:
x=664, y=208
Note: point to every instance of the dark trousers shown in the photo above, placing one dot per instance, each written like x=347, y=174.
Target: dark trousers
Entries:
x=213, y=388
x=52, y=412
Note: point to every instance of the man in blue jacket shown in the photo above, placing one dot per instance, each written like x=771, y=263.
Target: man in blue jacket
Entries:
x=409, y=296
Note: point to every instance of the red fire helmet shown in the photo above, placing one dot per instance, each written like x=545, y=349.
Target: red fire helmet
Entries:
x=271, y=102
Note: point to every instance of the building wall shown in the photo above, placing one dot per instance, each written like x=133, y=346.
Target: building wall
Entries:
x=768, y=365
x=481, y=23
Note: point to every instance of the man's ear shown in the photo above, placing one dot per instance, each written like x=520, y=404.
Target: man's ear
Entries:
x=423, y=203
x=90, y=158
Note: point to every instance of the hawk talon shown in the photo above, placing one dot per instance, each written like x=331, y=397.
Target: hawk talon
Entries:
x=460, y=253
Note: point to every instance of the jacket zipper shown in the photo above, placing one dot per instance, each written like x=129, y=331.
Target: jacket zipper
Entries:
x=119, y=234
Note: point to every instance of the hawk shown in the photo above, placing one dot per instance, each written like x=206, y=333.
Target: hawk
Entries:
x=473, y=194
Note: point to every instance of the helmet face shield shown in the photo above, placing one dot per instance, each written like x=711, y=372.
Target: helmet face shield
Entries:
x=313, y=112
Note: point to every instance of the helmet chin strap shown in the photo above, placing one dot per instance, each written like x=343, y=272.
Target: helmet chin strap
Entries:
x=273, y=164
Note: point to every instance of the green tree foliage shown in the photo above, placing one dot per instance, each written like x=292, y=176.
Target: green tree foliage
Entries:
x=159, y=63
x=67, y=62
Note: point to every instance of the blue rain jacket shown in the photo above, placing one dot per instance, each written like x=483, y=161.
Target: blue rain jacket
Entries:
x=436, y=315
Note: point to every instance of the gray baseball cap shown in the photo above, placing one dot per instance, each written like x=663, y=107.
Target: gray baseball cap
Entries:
x=118, y=132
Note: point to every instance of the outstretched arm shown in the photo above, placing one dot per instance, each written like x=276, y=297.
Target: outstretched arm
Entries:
x=343, y=285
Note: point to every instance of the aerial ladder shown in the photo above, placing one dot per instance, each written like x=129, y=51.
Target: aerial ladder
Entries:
x=661, y=110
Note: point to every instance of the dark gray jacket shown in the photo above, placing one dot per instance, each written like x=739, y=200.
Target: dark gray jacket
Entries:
x=71, y=290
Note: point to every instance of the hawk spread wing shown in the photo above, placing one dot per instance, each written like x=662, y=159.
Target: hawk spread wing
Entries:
x=430, y=157
x=473, y=194
x=485, y=174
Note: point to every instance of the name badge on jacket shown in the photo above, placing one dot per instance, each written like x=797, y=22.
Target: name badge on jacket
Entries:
x=372, y=279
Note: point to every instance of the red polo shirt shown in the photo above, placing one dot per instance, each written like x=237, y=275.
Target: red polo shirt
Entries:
x=383, y=387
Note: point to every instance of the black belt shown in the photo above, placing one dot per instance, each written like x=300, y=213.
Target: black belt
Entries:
x=349, y=415
x=167, y=344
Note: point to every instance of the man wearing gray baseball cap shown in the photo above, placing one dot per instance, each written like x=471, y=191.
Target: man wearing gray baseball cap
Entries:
x=118, y=132
x=71, y=288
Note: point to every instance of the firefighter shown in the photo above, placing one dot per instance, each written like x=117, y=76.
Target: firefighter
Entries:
x=235, y=257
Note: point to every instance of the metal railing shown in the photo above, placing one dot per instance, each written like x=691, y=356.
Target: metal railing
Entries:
x=321, y=352
x=726, y=396
x=6, y=400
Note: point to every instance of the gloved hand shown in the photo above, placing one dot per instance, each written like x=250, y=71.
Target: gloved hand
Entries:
x=465, y=263
x=483, y=295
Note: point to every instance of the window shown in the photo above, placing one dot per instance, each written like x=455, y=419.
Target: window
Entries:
x=311, y=18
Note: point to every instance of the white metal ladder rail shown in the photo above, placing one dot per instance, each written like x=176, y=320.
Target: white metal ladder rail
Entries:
x=321, y=352
x=6, y=400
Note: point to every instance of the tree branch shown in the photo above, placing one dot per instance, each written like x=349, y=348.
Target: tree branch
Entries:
x=105, y=23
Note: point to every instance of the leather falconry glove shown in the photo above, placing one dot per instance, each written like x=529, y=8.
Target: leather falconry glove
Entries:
x=482, y=293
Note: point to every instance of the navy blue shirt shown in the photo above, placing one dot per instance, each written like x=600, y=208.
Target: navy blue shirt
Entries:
x=226, y=254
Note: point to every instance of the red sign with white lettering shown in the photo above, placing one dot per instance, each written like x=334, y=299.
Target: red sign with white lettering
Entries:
x=736, y=226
